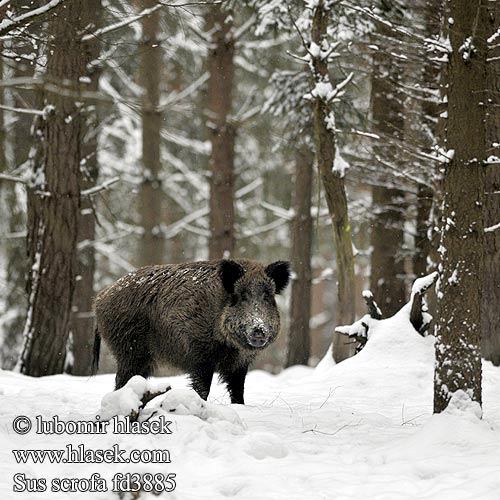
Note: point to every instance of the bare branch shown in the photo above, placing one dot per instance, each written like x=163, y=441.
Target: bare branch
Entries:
x=101, y=187
x=140, y=15
x=37, y=112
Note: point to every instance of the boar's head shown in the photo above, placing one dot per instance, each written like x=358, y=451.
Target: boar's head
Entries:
x=250, y=318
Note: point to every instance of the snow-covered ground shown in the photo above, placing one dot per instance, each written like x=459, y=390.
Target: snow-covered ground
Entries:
x=362, y=429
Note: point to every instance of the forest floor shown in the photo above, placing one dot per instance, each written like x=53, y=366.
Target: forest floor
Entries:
x=362, y=429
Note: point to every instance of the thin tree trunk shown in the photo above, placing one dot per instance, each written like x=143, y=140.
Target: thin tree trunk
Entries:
x=490, y=314
x=221, y=131
x=458, y=355
x=152, y=245
x=299, y=341
x=54, y=202
x=333, y=183
x=82, y=321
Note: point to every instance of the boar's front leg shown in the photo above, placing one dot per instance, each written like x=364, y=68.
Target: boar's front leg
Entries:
x=201, y=378
x=235, y=381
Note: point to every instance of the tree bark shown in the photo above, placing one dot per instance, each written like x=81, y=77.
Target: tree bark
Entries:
x=422, y=241
x=222, y=132
x=333, y=183
x=458, y=355
x=152, y=245
x=54, y=201
x=490, y=313
x=299, y=341
x=82, y=320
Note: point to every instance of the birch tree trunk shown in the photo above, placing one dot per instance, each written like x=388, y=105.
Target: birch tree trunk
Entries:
x=333, y=183
x=152, y=244
x=54, y=200
x=299, y=341
x=222, y=132
x=458, y=355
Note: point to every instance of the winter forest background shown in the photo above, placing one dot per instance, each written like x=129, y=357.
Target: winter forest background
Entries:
x=358, y=139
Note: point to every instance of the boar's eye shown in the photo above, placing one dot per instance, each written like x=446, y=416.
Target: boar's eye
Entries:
x=268, y=295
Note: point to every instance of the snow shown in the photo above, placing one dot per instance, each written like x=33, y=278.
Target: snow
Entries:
x=359, y=429
x=339, y=165
x=422, y=284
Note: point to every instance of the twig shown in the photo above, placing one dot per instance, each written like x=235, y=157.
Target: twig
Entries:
x=314, y=431
x=146, y=398
x=97, y=189
x=21, y=110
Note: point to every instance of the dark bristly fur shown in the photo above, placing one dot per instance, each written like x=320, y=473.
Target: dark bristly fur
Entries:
x=200, y=317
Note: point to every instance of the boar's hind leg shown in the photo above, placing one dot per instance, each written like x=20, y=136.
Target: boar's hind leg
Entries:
x=201, y=379
x=235, y=381
x=136, y=361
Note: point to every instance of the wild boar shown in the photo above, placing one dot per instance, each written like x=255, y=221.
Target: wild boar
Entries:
x=200, y=317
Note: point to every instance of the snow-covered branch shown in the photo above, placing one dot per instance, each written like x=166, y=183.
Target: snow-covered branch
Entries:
x=492, y=229
x=101, y=187
x=9, y=24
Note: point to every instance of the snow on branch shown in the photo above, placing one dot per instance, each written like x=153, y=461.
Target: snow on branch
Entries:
x=414, y=312
x=373, y=308
x=492, y=229
x=37, y=112
x=101, y=187
x=143, y=13
x=9, y=24
x=397, y=29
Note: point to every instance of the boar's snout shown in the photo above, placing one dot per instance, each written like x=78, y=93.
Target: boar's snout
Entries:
x=258, y=337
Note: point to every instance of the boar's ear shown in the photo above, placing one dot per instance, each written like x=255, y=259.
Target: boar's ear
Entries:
x=230, y=272
x=279, y=272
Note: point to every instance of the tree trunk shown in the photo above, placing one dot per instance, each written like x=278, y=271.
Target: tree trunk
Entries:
x=82, y=320
x=422, y=259
x=490, y=314
x=152, y=245
x=333, y=183
x=458, y=355
x=221, y=131
x=422, y=241
x=15, y=247
x=387, y=277
x=299, y=341
x=54, y=201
